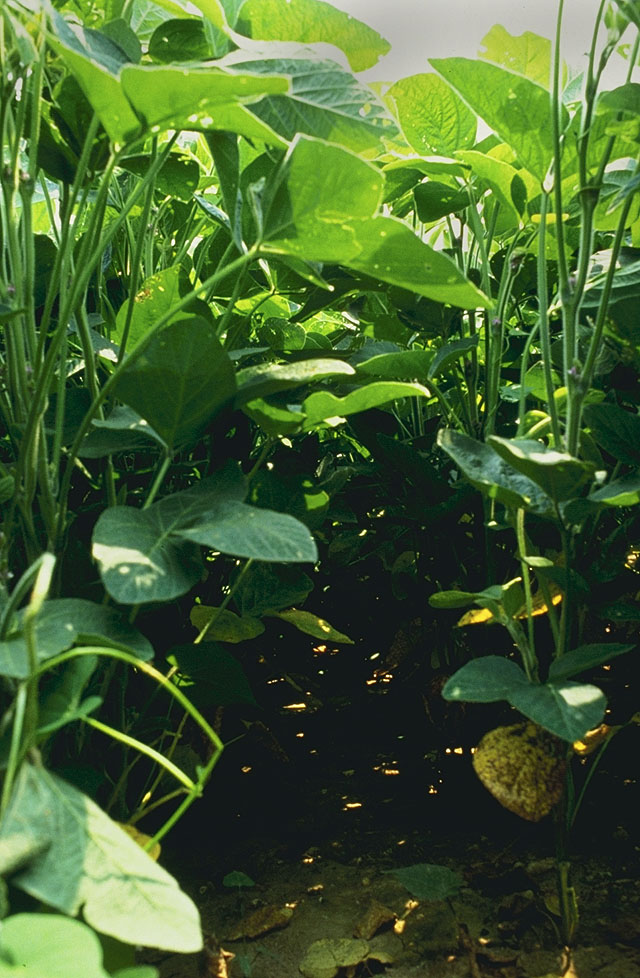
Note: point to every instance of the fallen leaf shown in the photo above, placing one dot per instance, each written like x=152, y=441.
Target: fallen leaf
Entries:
x=375, y=917
x=326, y=957
x=261, y=921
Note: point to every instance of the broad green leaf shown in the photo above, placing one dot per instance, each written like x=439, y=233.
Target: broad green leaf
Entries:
x=310, y=624
x=558, y=474
x=63, y=622
x=584, y=658
x=527, y=53
x=35, y=945
x=565, y=709
x=485, y=680
x=274, y=418
x=156, y=296
x=622, y=106
x=516, y=108
x=122, y=431
x=223, y=626
x=140, y=558
x=323, y=406
x=178, y=176
x=452, y=599
x=626, y=281
x=503, y=180
x=61, y=848
x=211, y=676
x=180, y=381
x=404, y=365
x=432, y=117
x=426, y=881
x=332, y=199
x=325, y=102
x=61, y=697
x=140, y=552
x=96, y=62
x=630, y=9
x=237, y=878
x=260, y=534
x=200, y=97
x=494, y=477
x=620, y=492
x=434, y=200
x=265, y=587
x=451, y=354
x=179, y=39
x=270, y=378
x=313, y=21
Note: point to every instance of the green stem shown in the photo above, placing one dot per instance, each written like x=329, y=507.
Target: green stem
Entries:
x=545, y=336
x=142, y=748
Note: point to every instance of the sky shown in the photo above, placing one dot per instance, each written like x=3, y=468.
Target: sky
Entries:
x=422, y=29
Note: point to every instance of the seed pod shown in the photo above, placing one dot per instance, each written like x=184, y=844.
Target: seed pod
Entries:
x=524, y=767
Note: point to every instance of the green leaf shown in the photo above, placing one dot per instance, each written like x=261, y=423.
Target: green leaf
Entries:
x=558, y=474
x=274, y=418
x=236, y=878
x=35, y=945
x=201, y=97
x=265, y=587
x=140, y=553
x=310, y=624
x=223, y=625
x=323, y=406
x=61, y=698
x=527, y=53
x=329, y=217
x=211, y=676
x=584, y=658
x=450, y=354
x=626, y=281
x=452, y=599
x=615, y=430
x=259, y=534
x=96, y=62
x=503, y=180
x=61, y=848
x=157, y=295
x=426, y=881
x=494, y=477
x=404, y=365
x=122, y=431
x=270, y=378
x=179, y=39
x=313, y=21
x=63, y=622
x=434, y=200
x=516, y=108
x=325, y=102
x=177, y=177
x=485, y=680
x=180, y=381
x=622, y=106
x=565, y=709
x=620, y=492
x=433, y=118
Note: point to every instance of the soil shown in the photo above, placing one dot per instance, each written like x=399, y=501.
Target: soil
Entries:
x=319, y=808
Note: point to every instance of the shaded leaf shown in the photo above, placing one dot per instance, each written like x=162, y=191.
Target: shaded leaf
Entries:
x=426, y=881
x=223, y=625
x=310, y=624
x=584, y=658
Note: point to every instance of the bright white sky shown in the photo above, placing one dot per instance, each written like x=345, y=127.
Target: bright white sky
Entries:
x=421, y=29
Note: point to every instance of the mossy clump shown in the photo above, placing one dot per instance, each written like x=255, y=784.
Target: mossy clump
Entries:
x=524, y=767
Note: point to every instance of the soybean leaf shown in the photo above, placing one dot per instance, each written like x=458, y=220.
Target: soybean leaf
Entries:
x=157, y=295
x=61, y=697
x=223, y=625
x=211, y=675
x=36, y=944
x=177, y=177
x=516, y=108
x=179, y=39
x=329, y=216
x=201, y=97
x=494, y=477
x=181, y=380
x=434, y=200
x=527, y=53
x=432, y=117
x=506, y=183
x=584, y=658
x=63, y=622
x=450, y=354
x=324, y=101
x=140, y=553
x=265, y=587
x=260, y=534
x=122, y=431
x=560, y=475
x=429, y=882
x=615, y=430
x=312, y=21
x=485, y=680
x=270, y=378
x=322, y=405
x=62, y=849
x=403, y=365
x=566, y=709
x=310, y=624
